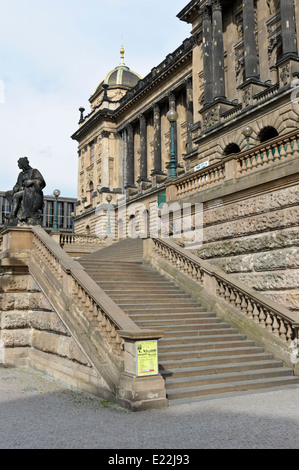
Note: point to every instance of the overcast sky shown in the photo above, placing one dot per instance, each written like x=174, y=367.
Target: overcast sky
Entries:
x=53, y=53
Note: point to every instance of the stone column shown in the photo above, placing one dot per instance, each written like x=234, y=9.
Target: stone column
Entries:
x=172, y=105
x=189, y=106
x=157, y=140
x=124, y=158
x=289, y=43
x=130, y=157
x=218, y=51
x=250, y=47
x=143, y=148
x=207, y=41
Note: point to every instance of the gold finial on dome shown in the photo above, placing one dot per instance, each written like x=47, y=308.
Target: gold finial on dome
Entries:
x=122, y=55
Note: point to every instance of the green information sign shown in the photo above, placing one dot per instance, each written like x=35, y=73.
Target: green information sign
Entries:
x=147, y=358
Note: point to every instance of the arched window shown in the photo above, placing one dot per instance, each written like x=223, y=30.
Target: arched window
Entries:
x=267, y=133
x=231, y=148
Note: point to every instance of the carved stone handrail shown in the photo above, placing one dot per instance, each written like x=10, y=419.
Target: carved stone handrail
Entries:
x=96, y=304
x=276, y=319
x=105, y=333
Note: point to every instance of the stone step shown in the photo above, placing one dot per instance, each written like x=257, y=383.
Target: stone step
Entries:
x=200, y=354
x=218, y=378
x=191, y=392
x=182, y=340
x=214, y=369
x=155, y=305
x=157, y=290
x=140, y=291
x=188, y=322
x=197, y=348
x=209, y=353
x=163, y=309
x=177, y=333
x=102, y=264
x=150, y=297
x=201, y=316
x=187, y=332
x=132, y=284
x=120, y=279
x=167, y=363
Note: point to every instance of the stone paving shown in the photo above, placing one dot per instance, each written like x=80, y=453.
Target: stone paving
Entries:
x=37, y=412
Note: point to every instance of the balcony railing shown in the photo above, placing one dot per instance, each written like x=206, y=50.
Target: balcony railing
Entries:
x=267, y=155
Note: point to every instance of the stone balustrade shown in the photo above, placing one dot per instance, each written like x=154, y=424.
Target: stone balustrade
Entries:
x=201, y=180
x=80, y=239
x=269, y=315
x=268, y=154
x=104, y=332
x=259, y=158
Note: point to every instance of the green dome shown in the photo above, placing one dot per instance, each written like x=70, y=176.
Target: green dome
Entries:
x=122, y=76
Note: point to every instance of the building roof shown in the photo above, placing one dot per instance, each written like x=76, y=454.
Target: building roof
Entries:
x=120, y=76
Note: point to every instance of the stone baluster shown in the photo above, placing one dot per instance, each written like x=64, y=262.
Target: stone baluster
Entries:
x=295, y=148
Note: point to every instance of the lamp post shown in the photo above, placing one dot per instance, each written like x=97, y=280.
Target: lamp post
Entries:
x=56, y=193
x=73, y=224
x=247, y=132
x=81, y=114
x=172, y=116
x=109, y=199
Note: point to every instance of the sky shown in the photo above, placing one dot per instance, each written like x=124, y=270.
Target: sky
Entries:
x=53, y=54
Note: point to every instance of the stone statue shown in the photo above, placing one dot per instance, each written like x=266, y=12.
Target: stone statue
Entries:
x=26, y=197
x=273, y=6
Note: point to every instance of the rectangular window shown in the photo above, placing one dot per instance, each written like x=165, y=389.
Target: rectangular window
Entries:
x=69, y=210
x=5, y=209
x=49, y=209
x=60, y=214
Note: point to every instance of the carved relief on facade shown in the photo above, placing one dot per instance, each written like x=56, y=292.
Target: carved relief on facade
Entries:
x=239, y=24
x=285, y=74
x=116, y=95
x=201, y=88
x=239, y=63
x=273, y=6
x=247, y=97
x=274, y=38
x=210, y=117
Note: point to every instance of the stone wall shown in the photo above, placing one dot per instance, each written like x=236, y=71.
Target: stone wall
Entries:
x=30, y=329
x=256, y=240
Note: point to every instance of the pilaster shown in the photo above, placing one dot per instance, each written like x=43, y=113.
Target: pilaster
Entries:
x=250, y=46
x=218, y=51
x=130, y=157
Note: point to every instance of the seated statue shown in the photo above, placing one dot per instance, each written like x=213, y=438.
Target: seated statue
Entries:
x=26, y=197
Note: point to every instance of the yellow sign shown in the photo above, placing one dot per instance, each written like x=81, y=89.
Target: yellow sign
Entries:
x=147, y=358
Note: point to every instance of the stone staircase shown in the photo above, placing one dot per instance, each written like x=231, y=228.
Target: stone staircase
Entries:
x=200, y=354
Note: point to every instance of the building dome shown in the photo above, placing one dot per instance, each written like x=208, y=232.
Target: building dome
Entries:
x=120, y=76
